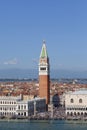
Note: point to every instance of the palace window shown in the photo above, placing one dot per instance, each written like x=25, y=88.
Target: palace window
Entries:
x=71, y=100
x=19, y=107
x=22, y=107
x=80, y=100
x=25, y=107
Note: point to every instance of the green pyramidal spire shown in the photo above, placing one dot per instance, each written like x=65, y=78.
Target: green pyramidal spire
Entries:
x=43, y=51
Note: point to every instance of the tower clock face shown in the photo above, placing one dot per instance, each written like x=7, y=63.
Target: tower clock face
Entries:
x=43, y=61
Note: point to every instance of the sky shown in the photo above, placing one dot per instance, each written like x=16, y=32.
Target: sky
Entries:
x=24, y=24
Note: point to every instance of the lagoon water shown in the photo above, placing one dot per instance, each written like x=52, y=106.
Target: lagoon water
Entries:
x=43, y=125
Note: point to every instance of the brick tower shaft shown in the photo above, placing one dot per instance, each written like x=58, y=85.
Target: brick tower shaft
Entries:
x=44, y=75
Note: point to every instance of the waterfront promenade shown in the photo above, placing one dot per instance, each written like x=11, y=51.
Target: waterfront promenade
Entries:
x=58, y=114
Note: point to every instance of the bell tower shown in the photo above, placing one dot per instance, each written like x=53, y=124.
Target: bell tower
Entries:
x=44, y=74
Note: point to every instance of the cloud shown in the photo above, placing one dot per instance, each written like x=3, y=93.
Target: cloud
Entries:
x=11, y=62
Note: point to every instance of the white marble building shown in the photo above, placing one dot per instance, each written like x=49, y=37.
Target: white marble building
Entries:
x=8, y=105
x=76, y=103
x=11, y=106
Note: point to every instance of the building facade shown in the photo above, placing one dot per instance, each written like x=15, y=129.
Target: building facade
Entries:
x=8, y=105
x=31, y=107
x=76, y=103
x=44, y=74
x=16, y=106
